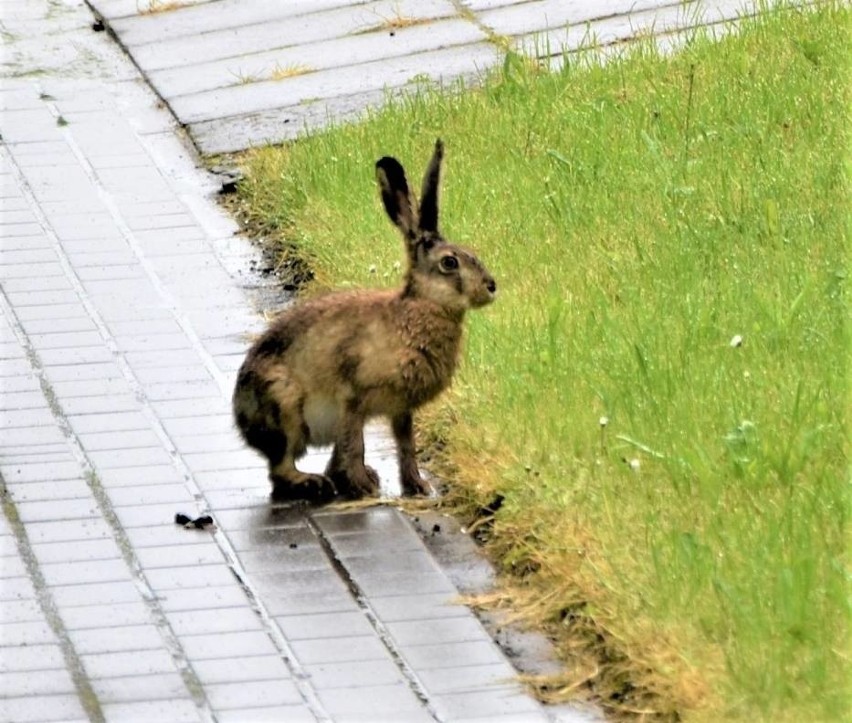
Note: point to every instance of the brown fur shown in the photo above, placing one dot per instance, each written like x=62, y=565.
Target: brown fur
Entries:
x=328, y=364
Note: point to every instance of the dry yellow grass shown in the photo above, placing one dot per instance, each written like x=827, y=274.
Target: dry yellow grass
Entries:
x=161, y=6
x=282, y=72
x=396, y=21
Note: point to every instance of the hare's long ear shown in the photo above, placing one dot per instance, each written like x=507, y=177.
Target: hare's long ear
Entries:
x=399, y=203
x=429, y=192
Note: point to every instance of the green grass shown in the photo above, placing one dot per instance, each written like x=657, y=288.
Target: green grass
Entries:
x=639, y=215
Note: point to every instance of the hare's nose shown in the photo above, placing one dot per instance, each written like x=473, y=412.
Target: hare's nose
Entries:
x=491, y=285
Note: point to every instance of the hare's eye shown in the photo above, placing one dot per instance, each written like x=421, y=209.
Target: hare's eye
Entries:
x=449, y=263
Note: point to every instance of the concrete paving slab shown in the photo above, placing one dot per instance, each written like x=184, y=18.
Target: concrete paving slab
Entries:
x=251, y=130
x=211, y=622
x=152, y=475
x=342, y=52
x=518, y=18
x=104, y=616
x=508, y=702
x=233, y=41
x=111, y=593
x=139, y=688
x=44, y=491
x=354, y=674
x=57, y=707
x=466, y=678
x=218, y=597
x=375, y=702
x=225, y=645
x=36, y=683
x=84, y=571
x=187, y=555
x=61, y=551
x=130, y=638
x=269, y=714
x=326, y=626
x=177, y=710
x=460, y=629
x=35, y=657
x=418, y=607
x=195, y=18
x=241, y=669
x=342, y=649
x=63, y=531
x=19, y=611
x=362, y=79
x=242, y=696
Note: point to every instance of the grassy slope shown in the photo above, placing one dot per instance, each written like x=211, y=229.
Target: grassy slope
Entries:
x=637, y=217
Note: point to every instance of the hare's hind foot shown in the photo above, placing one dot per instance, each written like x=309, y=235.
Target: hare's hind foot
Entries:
x=297, y=485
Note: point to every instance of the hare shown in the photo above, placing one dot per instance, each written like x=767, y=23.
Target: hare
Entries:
x=327, y=364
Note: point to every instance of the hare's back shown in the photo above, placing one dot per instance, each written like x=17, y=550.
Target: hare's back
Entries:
x=313, y=334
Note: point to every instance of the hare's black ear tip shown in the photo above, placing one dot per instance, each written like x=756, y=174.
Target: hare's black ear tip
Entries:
x=390, y=173
x=384, y=162
x=390, y=168
x=439, y=147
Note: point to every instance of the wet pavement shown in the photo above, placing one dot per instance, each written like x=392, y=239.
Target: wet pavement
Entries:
x=126, y=308
x=241, y=73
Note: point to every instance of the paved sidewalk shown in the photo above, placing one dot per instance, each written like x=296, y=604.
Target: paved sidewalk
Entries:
x=124, y=311
x=240, y=73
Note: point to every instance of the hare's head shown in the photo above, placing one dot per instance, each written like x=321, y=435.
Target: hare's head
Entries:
x=440, y=271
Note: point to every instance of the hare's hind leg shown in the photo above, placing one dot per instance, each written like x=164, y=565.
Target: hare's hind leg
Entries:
x=288, y=483
x=271, y=423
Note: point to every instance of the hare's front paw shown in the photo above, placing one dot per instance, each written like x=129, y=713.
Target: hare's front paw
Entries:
x=414, y=484
x=369, y=484
x=357, y=483
x=302, y=486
